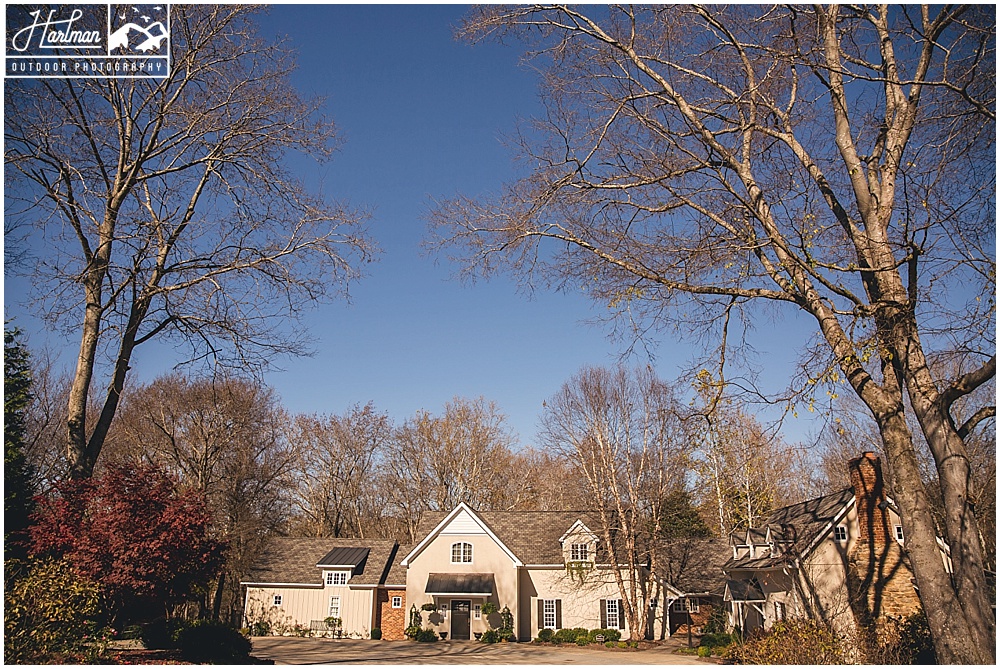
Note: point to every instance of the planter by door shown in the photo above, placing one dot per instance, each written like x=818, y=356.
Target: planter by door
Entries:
x=460, y=619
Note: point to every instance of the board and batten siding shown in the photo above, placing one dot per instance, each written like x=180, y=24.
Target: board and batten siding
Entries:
x=463, y=523
x=300, y=606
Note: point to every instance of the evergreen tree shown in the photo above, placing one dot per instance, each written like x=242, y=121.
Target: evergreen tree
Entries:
x=18, y=491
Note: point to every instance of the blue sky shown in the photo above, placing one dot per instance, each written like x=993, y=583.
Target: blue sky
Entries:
x=422, y=117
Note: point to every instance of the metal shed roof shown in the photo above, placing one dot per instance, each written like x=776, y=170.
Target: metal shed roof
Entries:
x=346, y=556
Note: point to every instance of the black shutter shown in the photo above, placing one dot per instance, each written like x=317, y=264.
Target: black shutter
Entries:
x=558, y=614
x=541, y=613
x=621, y=615
x=604, y=614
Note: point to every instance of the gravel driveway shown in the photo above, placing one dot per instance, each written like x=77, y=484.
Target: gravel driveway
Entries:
x=296, y=650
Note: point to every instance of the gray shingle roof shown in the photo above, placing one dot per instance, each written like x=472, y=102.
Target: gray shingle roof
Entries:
x=294, y=560
x=533, y=536
x=397, y=572
x=795, y=527
x=695, y=565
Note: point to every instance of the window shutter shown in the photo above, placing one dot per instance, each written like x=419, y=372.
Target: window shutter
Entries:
x=604, y=614
x=541, y=613
x=621, y=615
x=558, y=614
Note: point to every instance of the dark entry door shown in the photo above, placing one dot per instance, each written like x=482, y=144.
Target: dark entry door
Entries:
x=460, y=618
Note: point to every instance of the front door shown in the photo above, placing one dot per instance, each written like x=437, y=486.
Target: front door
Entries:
x=460, y=618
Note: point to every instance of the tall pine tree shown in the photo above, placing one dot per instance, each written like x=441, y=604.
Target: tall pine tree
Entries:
x=18, y=490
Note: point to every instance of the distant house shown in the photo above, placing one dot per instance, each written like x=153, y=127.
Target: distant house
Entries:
x=837, y=558
x=548, y=568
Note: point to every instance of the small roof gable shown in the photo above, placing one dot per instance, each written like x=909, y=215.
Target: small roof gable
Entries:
x=577, y=527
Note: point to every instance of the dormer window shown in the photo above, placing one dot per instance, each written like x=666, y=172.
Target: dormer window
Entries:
x=579, y=552
x=336, y=577
x=461, y=552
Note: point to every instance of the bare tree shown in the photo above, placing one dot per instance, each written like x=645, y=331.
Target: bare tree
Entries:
x=165, y=212
x=701, y=163
x=338, y=461
x=744, y=472
x=226, y=438
x=625, y=433
x=464, y=455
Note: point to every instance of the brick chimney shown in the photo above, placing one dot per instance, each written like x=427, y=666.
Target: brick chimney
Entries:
x=869, y=492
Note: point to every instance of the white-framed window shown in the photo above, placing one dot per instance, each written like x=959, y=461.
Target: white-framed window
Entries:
x=277, y=600
x=899, y=532
x=443, y=609
x=335, y=606
x=549, y=613
x=840, y=533
x=336, y=577
x=397, y=602
x=612, y=613
x=461, y=552
x=779, y=610
x=687, y=605
x=579, y=552
x=477, y=611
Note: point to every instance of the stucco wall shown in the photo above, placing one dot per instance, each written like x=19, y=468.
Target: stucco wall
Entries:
x=487, y=558
x=580, y=600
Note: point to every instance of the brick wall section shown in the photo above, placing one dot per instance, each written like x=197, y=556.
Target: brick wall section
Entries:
x=392, y=621
x=869, y=492
x=880, y=581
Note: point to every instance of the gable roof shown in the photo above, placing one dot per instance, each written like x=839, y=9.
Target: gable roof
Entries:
x=298, y=561
x=802, y=525
x=532, y=536
x=468, y=514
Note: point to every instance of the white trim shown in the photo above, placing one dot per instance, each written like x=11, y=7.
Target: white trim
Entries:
x=574, y=526
x=459, y=595
x=336, y=566
x=394, y=599
x=393, y=586
x=462, y=506
x=255, y=584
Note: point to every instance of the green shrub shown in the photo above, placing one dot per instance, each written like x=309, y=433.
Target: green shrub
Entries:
x=582, y=640
x=212, y=641
x=427, y=635
x=720, y=640
x=622, y=644
x=569, y=635
x=545, y=635
x=376, y=634
x=48, y=612
x=716, y=621
x=490, y=636
x=609, y=635
x=610, y=644
x=916, y=642
x=704, y=651
x=411, y=632
x=260, y=628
